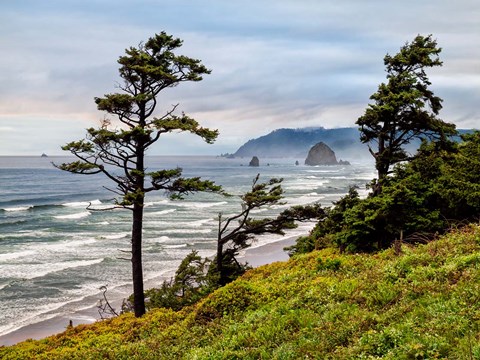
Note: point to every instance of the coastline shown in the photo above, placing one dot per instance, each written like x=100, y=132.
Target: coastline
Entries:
x=254, y=256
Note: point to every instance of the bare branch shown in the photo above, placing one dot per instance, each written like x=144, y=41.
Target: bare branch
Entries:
x=105, y=310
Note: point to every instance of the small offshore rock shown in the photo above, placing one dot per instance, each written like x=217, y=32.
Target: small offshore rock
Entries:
x=254, y=161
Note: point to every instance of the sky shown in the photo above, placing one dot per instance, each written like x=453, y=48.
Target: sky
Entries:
x=275, y=64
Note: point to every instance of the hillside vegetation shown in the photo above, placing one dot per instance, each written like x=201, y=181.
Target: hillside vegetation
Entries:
x=422, y=304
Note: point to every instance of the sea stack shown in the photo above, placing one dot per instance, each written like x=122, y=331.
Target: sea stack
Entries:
x=254, y=161
x=321, y=154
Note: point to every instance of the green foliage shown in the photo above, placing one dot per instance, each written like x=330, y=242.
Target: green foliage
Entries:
x=195, y=278
x=184, y=123
x=423, y=304
x=404, y=108
x=119, y=151
x=79, y=167
x=326, y=231
x=422, y=198
x=328, y=264
x=146, y=71
x=187, y=286
x=235, y=233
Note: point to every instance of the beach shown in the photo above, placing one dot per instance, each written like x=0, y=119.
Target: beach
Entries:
x=57, y=251
x=254, y=256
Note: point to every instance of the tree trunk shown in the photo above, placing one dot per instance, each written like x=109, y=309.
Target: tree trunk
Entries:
x=137, y=268
x=381, y=165
x=137, y=226
x=378, y=185
x=220, y=252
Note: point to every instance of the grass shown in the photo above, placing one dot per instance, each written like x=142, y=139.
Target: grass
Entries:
x=423, y=304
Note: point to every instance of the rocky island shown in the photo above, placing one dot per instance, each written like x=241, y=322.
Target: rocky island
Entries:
x=321, y=154
x=254, y=161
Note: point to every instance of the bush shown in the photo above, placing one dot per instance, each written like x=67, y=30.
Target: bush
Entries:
x=187, y=286
x=440, y=187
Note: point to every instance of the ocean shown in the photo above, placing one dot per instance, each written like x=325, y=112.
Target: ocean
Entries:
x=55, y=254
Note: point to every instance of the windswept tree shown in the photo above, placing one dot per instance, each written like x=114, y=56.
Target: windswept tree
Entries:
x=237, y=232
x=197, y=277
x=404, y=108
x=119, y=152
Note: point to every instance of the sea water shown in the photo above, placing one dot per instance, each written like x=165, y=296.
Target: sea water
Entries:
x=56, y=252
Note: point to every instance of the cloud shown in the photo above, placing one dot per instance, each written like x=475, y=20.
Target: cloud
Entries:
x=276, y=63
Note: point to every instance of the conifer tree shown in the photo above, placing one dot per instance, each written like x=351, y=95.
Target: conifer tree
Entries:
x=404, y=108
x=237, y=232
x=118, y=152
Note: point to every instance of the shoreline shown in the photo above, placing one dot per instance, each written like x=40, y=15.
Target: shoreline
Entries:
x=255, y=256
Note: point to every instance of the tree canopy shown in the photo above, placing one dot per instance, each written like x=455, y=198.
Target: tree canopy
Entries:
x=237, y=232
x=426, y=196
x=117, y=148
x=197, y=277
x=404, y=108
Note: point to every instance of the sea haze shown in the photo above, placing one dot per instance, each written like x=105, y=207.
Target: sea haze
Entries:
x=55, y=254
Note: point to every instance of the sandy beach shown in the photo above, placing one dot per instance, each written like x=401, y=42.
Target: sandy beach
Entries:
x=255, y=256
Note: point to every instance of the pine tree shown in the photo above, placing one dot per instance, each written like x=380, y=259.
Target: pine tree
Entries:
x=404, y=108
x=119, y=152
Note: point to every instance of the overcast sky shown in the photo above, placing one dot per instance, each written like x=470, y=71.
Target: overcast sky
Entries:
x=275, y=63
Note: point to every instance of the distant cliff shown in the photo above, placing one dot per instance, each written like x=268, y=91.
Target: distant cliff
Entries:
x=297, y=142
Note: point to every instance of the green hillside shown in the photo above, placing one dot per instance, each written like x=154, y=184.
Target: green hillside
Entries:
x=423, y=304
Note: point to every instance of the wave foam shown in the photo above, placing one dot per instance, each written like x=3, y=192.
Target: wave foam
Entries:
x=103, y=223
x=40, y=270
x=115, y=236
x=162, y=212
x=47, y=311
x=197, y=223
x=185, y=231
x=74, y=243
x=179, y=246
x=18, y=208
x=24, y=234
x=3, y=286
x=82, y=203
x=15, y=255
x=162, y=239
x=200, y=205
x=330, y=171
x=74, y=216
x=307, y=185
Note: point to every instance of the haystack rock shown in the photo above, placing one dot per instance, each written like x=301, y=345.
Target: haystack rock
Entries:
x=321, y=154
x=254, y=161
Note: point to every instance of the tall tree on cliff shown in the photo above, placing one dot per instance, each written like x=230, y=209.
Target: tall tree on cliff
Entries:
x=404, y=108
x=119, y=152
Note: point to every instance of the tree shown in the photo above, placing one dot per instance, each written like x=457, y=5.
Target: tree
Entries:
x=187, y=286
x=196, y=277
x=404, y=108
x=119, y=153
x=422, y=198
x=235, y=233
x=332, y=222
